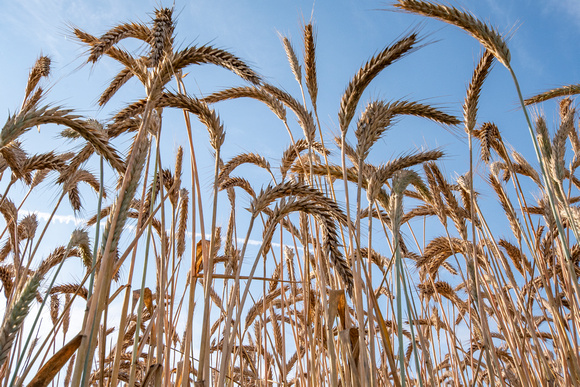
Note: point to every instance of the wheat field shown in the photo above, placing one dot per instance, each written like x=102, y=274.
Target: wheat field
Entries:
x=329, y=269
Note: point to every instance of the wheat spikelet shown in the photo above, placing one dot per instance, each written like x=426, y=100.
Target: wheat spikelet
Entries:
x=18, y=124
x=80, y=239
x=275, y=277
x=164, y=178
x=520, y=261
x=5, y=250
x=294, y=150
x=243, y=158
x=412, y=108
x=113, y=36
x=122, y=208
x=310, y=63
x=9, y=212
x=455, y=210
x=6, y=275
x=27, y=226
x=278, y=340
x=69, y=370
x=522, y=166
x=48, y=161
x=92, y=132
x=176, y=186
x=120, y=79
x=292, y=59
x=127, y=117
x=70, y=185
x=231, y=182
x=249, y=92
x=33, y=101
x=182, y=222
x=474, y=89
x=41, y=69
x=401, y=179
x=54, y=308
x=486, y=35
x=425, y=210
x=330, y=242
x=13, y=156
x=323, y=209
x=305, y=118
x=488, y=134
x=56, y=257
x=554, y=93
x=161, y=34
x=557, y=162
x=437, y=251
x=565, y=109
x=263, y=303
x=543, y=137
x=289, y=258
x=391, y=167
x=66, y=314
x=208, y=54
x=506, y=205
x=373, y=122
x=14, y=316
x=271, y=193
x=386, y=171
x=366, y=74
x=3, y=164
x=206, y=115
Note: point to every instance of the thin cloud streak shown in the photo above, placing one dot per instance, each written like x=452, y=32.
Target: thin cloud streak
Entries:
x=76, y=221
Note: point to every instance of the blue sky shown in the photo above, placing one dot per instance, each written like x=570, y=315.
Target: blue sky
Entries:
x=348, y=33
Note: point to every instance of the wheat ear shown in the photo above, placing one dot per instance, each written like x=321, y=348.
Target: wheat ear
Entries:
x=366, y=74
x=486, y=35
x=15, y=316
x=554, y=93
x=310, y=63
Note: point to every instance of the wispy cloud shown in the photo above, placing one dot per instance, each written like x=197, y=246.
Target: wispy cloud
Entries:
x=78, y=221
x=62, y=219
